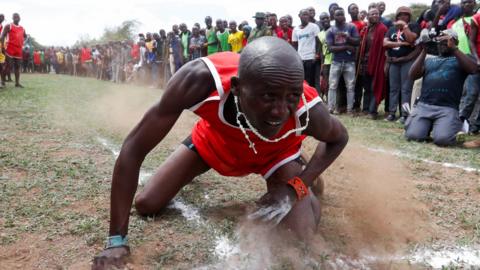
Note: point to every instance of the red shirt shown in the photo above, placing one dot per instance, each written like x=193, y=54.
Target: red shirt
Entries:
x=359, y=25
x=135, y=52
x=85, y=55
x=288, y=34
x=15, y=40
x=476, y=20
x=223, y=146
x=36, y=58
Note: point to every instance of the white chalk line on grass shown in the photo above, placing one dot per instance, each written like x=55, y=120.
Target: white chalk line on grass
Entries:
x=232, y=256
x=398, y=153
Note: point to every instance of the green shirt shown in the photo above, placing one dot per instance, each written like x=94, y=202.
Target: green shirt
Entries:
x=259, y=32
x=185, y=38
x=327, y=55
x=463, y=40
x=223, y=39
x=211, y=37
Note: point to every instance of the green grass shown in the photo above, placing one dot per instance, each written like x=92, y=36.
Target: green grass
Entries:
x=389, y=135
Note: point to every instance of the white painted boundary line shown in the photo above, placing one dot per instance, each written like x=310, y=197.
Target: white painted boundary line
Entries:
x=409, y=156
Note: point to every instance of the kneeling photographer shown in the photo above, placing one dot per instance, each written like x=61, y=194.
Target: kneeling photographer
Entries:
x=443, y=77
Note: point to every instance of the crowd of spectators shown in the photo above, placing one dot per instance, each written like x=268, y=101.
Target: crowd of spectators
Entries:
x=354, y=65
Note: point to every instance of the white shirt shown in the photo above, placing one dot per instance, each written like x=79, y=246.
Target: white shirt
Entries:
x=306, y=40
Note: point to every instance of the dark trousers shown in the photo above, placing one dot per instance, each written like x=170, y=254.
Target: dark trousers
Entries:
x=309, y=71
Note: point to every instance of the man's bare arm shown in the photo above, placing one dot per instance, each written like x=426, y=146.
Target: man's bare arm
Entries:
x=189, y=86
x=417, y=69
x=4, y=33
x=332, y=133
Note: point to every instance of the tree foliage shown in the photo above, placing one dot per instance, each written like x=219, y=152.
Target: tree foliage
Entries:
x=125, y=31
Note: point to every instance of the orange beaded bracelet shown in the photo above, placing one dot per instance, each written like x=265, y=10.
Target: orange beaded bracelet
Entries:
x=300, y=188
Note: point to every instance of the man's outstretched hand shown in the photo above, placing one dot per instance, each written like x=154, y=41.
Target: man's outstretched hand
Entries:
x=111, y=258
x=275, y=205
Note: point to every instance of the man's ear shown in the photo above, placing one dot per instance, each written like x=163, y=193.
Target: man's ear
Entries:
x=235, y=85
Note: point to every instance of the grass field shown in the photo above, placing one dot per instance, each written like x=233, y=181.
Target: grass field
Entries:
x=385, y=197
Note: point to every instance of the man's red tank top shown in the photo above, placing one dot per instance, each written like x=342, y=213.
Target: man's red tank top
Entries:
x=223, y=146
x=36, y=58
x=15, y=40
x=85, y=55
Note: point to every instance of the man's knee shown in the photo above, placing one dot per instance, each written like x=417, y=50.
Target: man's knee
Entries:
x=444, y=139
x=144, y=206
x=414, y=134
x=304, y=217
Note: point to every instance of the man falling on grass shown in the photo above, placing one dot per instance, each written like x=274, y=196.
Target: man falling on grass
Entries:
x=255, y=111
x=15, y=35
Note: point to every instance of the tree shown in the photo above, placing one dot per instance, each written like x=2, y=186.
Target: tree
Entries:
x=126, y=30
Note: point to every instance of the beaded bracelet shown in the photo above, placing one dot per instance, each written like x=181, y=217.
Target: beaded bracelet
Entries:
x=116, y=241
x=300, y=187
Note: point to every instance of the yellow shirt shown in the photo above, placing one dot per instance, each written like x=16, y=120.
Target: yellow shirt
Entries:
x=60, y=57
x=236, y=41
x=149, y=46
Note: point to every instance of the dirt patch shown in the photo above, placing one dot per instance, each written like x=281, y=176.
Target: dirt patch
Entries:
x=368, y=205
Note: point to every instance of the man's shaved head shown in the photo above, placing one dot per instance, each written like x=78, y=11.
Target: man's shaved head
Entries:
x=271, y=58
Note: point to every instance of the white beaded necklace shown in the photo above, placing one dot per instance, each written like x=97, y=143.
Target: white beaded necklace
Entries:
x=255, y=131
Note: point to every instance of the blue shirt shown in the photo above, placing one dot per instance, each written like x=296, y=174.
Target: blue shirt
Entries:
x=334, y=39
x=443, y=82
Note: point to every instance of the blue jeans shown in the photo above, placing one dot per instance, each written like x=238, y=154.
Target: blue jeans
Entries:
x=347, y=70
x=472, y=89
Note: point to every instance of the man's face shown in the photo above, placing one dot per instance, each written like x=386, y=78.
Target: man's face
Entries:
x=2, y=18
x=183, y=28
x=443, y=48
x=149, y=36
x=268, y=106
x=273, y=20
x=233, y=26
x=373, y=16
x=175, y=29
x=332, y=10
x=284, y=23
x=353, y=11
x=468, y=6
x=195, y=31
x=363, y=15
x=311, y=11
x=162, y=33
x=208, y=21
x=404, y=17
x=381, y=7
x=259, y=22
x=304, y=17
x=325, y=21
x=219, y=25
x=339, y=16
x=290, y=20
x=16, y=18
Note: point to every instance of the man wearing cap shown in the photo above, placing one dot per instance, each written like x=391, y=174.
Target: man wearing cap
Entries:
x=442, y=87
x=261, y=30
